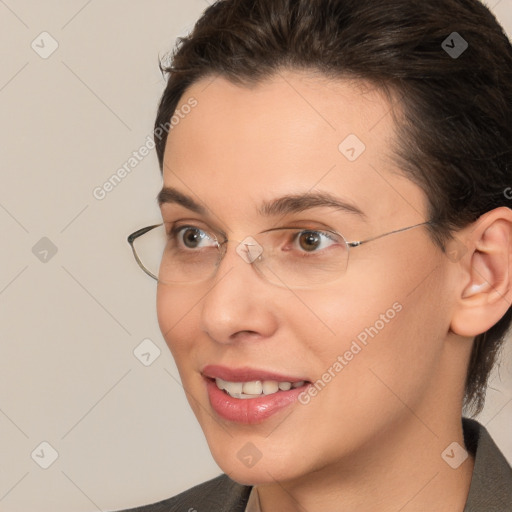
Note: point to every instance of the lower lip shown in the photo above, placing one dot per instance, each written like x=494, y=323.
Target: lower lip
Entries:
x=250, y=410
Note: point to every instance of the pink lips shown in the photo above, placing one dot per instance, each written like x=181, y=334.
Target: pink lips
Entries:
x=250, y=410
x=246, y=374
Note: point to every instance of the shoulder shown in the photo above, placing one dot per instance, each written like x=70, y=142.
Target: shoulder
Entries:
x=221, y=494
x=491, y=484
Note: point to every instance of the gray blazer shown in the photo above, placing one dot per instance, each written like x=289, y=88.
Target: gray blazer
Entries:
x=490, y=490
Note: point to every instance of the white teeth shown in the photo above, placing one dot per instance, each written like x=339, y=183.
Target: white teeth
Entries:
x=270, y=386
x=256, y=388
x=234, y=387
x=221, y=384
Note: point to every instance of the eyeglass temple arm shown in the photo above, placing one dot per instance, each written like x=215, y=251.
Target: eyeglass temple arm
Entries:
x=360, y=242
x=131, y=238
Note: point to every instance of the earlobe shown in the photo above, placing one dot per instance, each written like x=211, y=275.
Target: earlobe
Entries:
x=486, y=286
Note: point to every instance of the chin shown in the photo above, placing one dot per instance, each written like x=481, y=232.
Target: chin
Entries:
x=261, y=473
x=255, y=462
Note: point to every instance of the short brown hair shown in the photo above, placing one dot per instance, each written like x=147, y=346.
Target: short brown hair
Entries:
x=454, y=137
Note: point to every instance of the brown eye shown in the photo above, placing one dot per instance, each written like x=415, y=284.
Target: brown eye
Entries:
x=313, y=241
x=309, y=240
x=192, y=237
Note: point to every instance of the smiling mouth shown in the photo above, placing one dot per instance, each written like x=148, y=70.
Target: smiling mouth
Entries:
x=255, y=388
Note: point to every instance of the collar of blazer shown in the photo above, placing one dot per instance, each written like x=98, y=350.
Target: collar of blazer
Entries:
x=491, y=483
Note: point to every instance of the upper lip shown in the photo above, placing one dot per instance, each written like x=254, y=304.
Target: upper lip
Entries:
x=245, y=374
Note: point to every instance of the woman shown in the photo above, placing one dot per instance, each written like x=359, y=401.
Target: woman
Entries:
x=335, y=278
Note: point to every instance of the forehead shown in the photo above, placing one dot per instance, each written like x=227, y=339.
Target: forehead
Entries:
x=289, y=134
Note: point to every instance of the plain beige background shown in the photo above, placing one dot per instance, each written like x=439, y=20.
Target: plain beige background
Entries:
x=70, y=322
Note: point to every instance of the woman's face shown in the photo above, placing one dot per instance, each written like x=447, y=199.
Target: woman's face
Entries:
x=373, y=337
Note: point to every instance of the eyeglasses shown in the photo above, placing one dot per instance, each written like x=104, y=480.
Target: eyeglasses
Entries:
x=290, y=257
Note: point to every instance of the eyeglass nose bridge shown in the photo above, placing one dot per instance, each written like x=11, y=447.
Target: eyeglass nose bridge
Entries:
x=251, y=252
x=248, y=249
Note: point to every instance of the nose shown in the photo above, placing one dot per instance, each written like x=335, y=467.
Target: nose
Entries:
x=239, y=303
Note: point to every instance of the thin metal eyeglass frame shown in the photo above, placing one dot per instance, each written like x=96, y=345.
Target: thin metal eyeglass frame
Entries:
x=136, y=234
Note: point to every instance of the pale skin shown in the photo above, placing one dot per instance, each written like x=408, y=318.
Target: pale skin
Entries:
x=373, y=438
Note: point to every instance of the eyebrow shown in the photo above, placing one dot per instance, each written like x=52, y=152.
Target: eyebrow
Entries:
x=292, y=203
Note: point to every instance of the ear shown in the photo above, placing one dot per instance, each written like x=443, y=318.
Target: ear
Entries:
x=486, y=287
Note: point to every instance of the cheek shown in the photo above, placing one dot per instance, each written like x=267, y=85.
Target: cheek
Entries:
x=176, y=319
x=383, y=354
x=384, y=329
